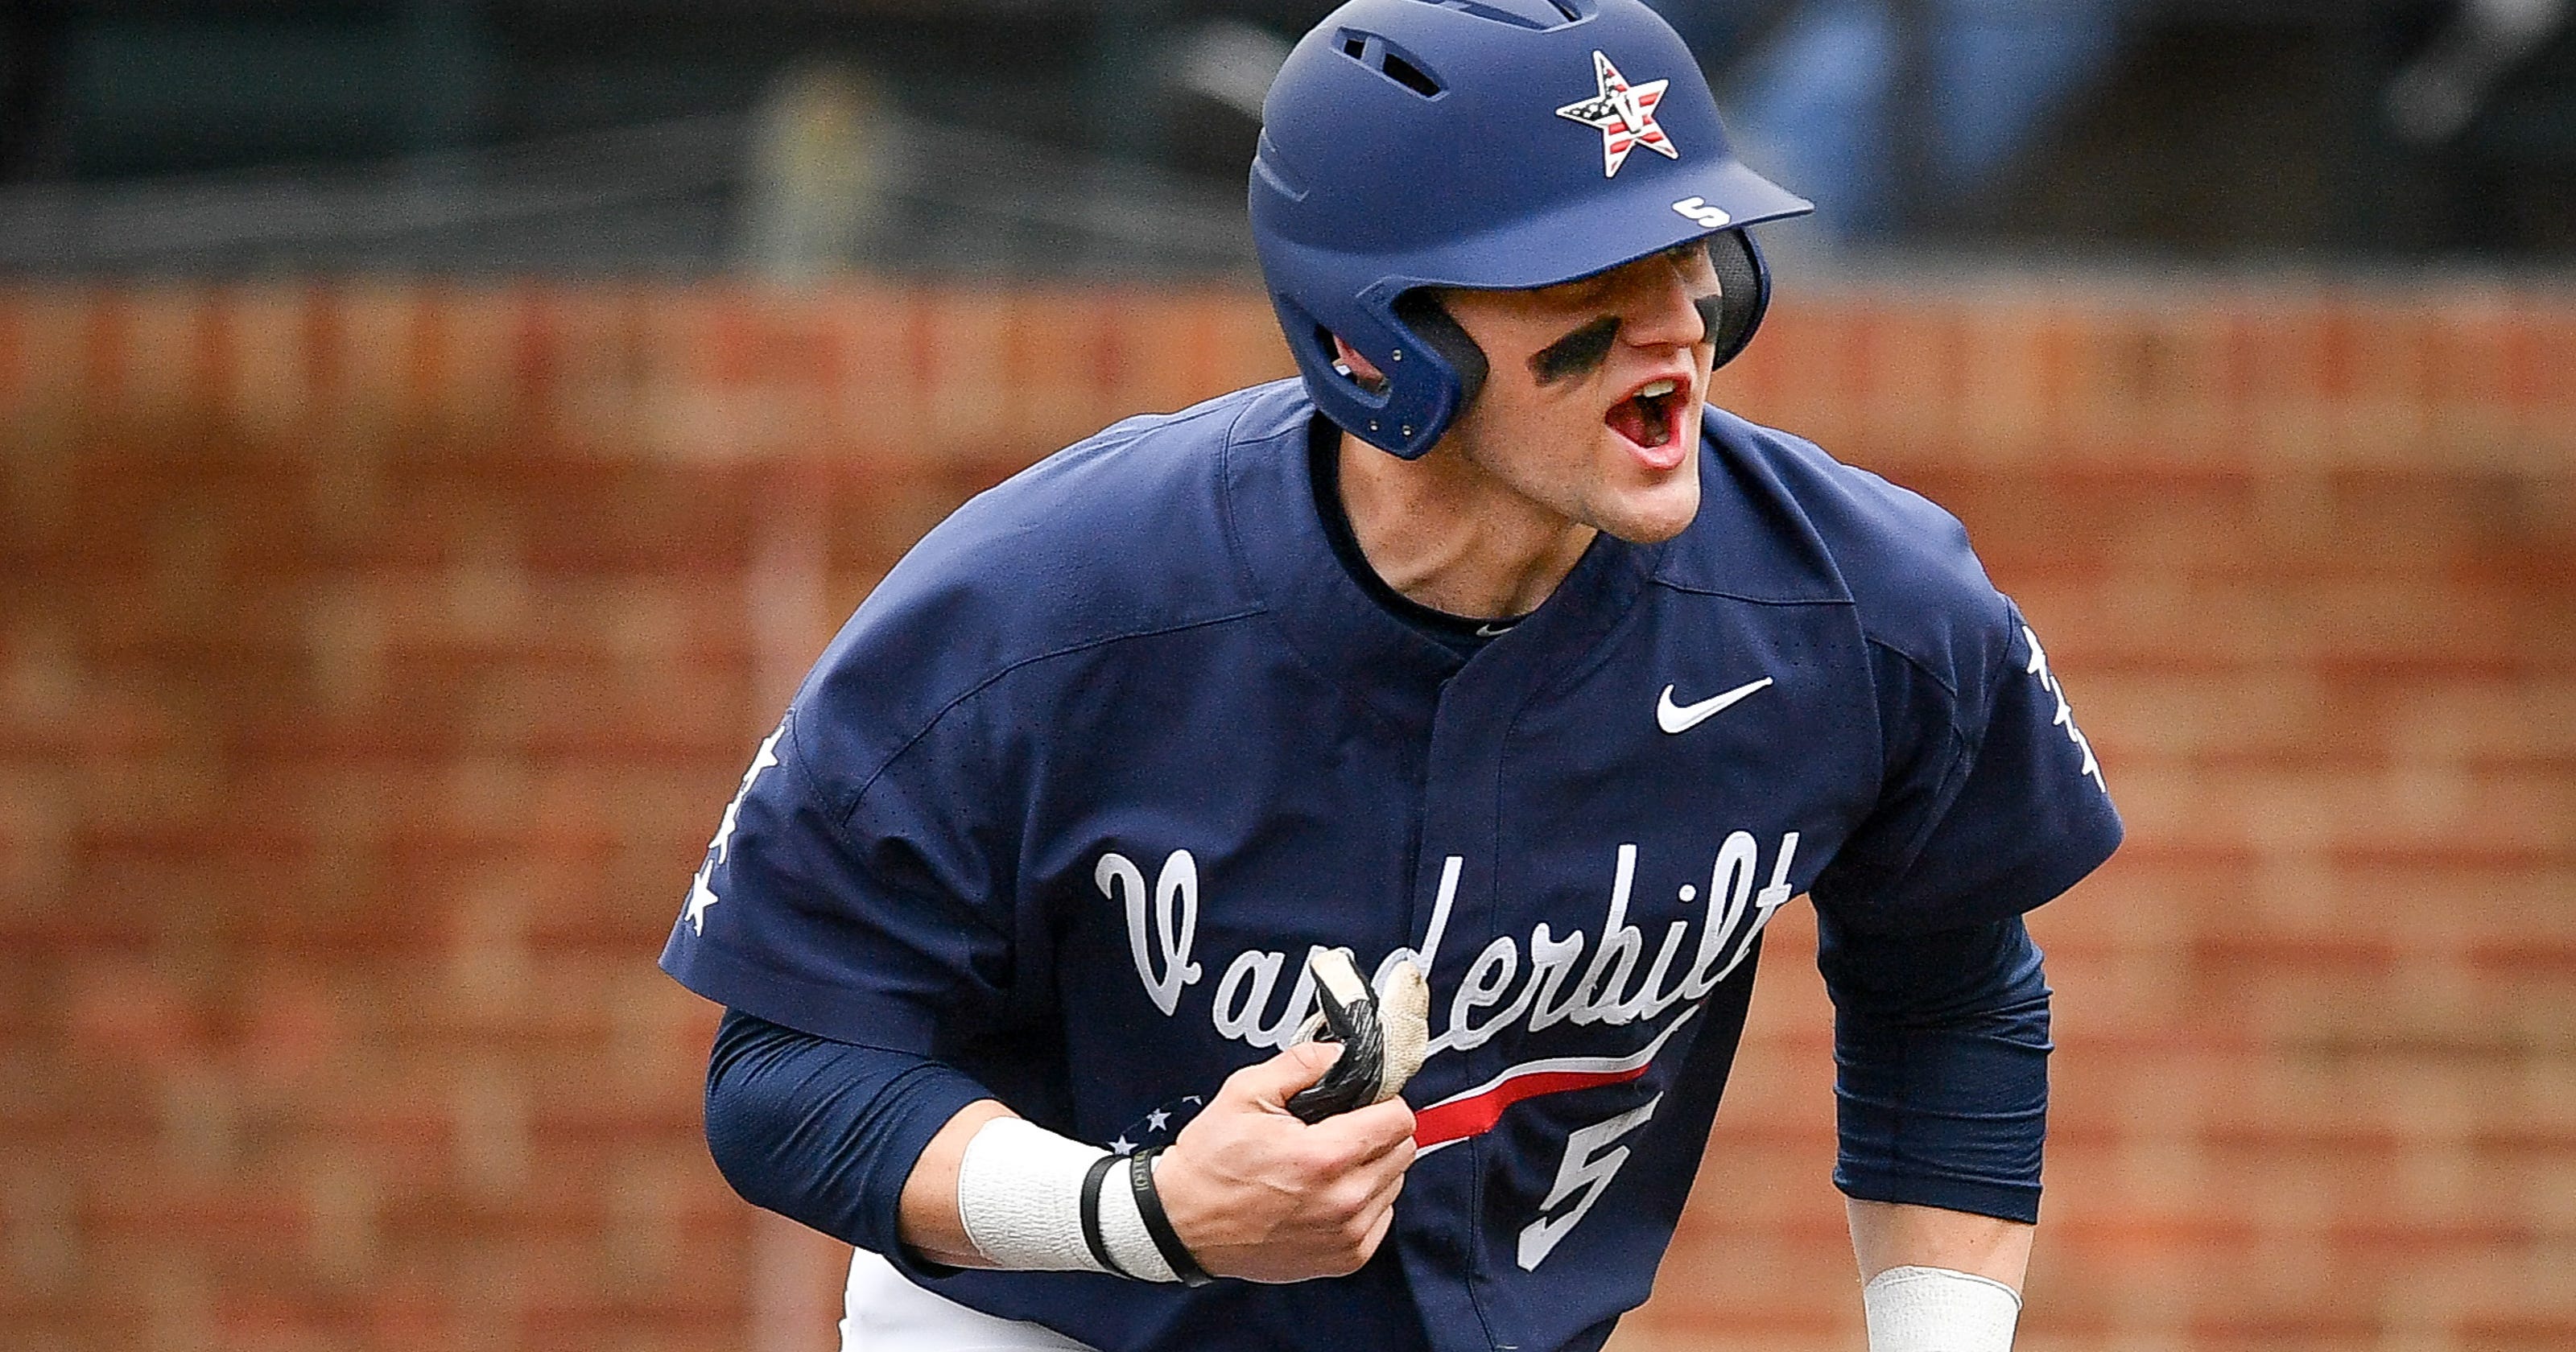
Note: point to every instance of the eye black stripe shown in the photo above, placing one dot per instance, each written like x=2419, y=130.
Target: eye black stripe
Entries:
x=1712, y=315
x=1576, y=354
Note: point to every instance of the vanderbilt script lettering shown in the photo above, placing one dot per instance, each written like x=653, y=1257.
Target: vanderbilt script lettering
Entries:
x=1175, y=929
x=1629, y=975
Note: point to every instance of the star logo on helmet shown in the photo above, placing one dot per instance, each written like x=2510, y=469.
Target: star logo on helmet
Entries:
x=1624, y=114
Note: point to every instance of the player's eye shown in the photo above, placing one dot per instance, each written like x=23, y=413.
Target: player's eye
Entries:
x=1584, y=294
x=1692, y=262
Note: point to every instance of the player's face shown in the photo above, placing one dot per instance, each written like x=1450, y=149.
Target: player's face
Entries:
x=1592, y=406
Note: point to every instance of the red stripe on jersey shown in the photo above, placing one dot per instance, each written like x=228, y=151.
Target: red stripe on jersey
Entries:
x=1476, y=1116
x=1476, y=1111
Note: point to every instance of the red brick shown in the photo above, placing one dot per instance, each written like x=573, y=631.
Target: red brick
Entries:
x=45, y=326
x=1809, y=339
x=375, y=658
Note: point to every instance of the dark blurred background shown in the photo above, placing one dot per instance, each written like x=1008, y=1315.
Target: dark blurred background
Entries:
x=1087, y=137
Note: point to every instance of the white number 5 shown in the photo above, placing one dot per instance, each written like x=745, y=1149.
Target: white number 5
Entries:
x=1587, y=1169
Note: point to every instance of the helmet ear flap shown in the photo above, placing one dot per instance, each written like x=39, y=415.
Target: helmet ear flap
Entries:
x=1422, y=312
x=1744, y=291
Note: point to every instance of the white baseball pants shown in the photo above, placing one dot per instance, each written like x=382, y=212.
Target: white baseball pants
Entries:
x=884, y=1312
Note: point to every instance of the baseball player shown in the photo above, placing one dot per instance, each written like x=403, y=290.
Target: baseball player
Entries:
x=1471, y=702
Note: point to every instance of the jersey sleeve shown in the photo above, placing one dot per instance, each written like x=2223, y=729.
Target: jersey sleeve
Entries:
x=867, y=913
x=823, y=1132
x=1940, y=1065
x=1992, y=801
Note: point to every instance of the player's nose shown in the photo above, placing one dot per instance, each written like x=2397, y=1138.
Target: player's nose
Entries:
x=1664, y=310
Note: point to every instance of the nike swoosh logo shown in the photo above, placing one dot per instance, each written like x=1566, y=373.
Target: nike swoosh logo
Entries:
x=1673, y=717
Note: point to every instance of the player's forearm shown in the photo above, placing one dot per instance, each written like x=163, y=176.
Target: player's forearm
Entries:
x=1890, y=1235
x=930, y=1224
x=1942, y=1045
x=1247, y=1189
x=1934, y=1280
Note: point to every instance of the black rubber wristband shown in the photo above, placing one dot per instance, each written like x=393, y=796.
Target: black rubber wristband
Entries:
x=1091, y=1235
x=1149, y=1205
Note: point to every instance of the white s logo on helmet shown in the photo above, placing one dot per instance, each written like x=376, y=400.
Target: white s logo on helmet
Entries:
x=1698, y=209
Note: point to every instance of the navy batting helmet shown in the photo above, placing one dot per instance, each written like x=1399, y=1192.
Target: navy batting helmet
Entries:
x=1490, y=144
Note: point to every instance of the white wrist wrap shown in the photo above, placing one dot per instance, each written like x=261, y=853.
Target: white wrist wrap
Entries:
x=1929, y=1309
x=1019, y=1192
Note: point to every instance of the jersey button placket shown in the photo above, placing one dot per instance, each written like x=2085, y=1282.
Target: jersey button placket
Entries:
x=1460, y=803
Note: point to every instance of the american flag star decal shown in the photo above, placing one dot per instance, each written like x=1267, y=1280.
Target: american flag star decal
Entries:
x=1624, y=114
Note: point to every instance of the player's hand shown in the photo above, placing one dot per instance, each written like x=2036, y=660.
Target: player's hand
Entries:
x=1257, y=1194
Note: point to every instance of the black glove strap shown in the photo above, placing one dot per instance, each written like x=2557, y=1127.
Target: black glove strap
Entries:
x=1091, y=1235
x=1149, y=1205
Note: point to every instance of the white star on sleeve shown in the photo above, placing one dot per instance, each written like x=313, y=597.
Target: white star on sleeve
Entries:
x=701, y=895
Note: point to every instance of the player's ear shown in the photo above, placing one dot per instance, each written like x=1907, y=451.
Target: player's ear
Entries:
x=1358, y=369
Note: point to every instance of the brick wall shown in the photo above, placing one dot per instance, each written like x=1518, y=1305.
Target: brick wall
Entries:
x=374, y=660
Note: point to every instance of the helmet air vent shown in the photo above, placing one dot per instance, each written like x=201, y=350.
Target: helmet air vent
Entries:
x=1374, y=52
x=1539, y=15
x=1407, y=74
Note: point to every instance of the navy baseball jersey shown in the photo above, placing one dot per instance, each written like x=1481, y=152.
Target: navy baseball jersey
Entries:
x=1072, y=796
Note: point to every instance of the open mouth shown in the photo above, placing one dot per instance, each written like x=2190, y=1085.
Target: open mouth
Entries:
x=1647, y=416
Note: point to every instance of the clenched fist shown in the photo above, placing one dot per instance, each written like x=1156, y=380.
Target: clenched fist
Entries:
x=1257, y=1194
